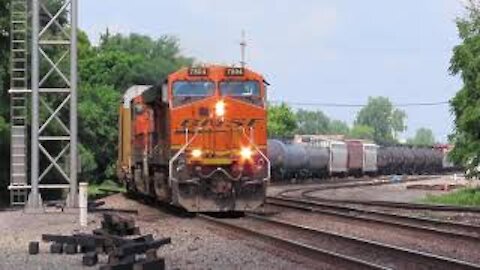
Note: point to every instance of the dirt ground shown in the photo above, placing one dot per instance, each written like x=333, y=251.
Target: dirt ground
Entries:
x=195, y=244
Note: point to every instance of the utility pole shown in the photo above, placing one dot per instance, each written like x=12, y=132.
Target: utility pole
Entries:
x=243, y=46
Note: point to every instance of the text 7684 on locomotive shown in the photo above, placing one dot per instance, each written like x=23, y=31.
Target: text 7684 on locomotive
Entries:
x=198, y=141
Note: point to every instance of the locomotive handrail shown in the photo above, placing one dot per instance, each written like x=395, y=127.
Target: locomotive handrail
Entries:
x=261, y=153
x=175, y=157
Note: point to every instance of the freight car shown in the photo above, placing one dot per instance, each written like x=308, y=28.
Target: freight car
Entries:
x=197, y=141
x=311, y=156
x=362, y=158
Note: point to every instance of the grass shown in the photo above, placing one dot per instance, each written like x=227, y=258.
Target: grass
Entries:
x=463, y=197
x=100, y=190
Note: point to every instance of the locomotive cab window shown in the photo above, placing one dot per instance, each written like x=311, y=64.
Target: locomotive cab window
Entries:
x=185, y=92
x=248, y=91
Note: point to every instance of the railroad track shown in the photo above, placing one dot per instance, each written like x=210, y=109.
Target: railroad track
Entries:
x=327, y=181
x=353, y=184
x=390, y=204
x=340, y=251
x=438, y=228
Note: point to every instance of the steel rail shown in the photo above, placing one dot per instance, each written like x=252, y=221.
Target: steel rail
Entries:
x=353, y=184
x=390, y=204
x=387, y=255
x=325, y=256
x=327, y=181
x=447, y=229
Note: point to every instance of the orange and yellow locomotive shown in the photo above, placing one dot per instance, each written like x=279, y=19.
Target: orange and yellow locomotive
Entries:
x=197, y=141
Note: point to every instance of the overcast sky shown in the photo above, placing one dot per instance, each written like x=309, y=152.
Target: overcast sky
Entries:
x=312, y=50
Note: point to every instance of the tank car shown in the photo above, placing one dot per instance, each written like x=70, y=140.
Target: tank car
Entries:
x=197, y=141
x=318, y=161
x=287, y=160
x=319, y=154
x=409, y=160
x=293, y=160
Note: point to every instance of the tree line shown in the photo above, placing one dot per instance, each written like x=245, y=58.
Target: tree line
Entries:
x=465, y=63
x=378, y=121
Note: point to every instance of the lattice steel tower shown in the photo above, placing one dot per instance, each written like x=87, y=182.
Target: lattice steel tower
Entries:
x=53, y=163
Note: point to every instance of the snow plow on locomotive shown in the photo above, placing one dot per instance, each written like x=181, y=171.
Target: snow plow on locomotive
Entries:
x=198, y=141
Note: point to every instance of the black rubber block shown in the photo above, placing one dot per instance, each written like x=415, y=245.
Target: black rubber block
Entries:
x=158, y=264
x=71, y=249
x=33, y=248
x=151, y=254
x=56, y=248
x=90, y=259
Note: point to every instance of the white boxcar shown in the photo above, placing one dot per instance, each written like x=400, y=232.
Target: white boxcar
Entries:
x=370, y=158
x=338, y=157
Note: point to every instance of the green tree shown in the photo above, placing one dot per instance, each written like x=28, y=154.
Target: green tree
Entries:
x=281, y=121
x=98, y=113
x=465, y=105
x=423, y=137
x=106, y=72
x=312, y=122
x=385, y=120
x=338, y=127
x=362, y=132
x=121, y=61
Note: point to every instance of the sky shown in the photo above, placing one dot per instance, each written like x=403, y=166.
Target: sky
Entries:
x=313, y=51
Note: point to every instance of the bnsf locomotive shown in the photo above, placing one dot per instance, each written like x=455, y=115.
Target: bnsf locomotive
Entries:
x=198, y=141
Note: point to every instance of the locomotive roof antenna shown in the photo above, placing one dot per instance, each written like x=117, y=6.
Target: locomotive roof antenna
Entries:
x=243, y=47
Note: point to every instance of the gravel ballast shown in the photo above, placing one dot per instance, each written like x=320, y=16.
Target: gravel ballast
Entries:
x=195, y=244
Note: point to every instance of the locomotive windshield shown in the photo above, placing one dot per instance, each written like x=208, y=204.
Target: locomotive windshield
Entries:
x=248, y=91
x=185, y=92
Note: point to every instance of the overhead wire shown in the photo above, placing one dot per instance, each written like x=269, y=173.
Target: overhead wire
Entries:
x=349, y=105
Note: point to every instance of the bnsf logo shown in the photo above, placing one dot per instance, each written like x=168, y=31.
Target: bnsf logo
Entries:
x=211, y=123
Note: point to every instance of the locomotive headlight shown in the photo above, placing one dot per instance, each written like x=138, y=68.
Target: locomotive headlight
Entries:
x=196, y=153
x=220, y=109
x=246, y=153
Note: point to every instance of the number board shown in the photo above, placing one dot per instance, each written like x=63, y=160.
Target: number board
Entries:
x=198, y=71
x=235, y=72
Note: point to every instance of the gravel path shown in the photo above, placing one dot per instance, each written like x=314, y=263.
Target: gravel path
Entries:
x=195, y=245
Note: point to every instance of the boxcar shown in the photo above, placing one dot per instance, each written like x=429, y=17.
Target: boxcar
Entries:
x=338, y=158
x=355, y=157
